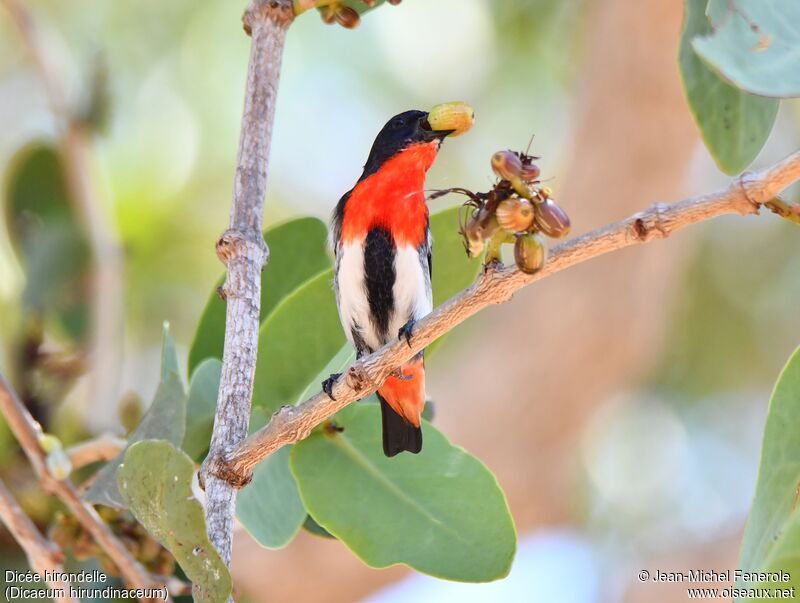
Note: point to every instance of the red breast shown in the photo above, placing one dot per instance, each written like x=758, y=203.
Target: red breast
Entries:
x=392, y=198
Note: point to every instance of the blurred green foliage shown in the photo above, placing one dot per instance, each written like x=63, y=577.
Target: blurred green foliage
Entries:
x=772, y=539
x=48, y=240
x=165, y=419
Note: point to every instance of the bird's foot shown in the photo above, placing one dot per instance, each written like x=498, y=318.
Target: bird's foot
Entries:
x=327, y=385
x=399, y=374
x=492, y=265
x=406, y=331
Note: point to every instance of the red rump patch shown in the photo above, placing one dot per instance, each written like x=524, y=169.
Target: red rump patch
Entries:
x=392, y=198
x=407, y=396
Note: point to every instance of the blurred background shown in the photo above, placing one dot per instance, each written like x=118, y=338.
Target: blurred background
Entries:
x=619, y=403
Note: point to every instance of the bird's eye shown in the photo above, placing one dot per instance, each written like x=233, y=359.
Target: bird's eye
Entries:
x=398, y=123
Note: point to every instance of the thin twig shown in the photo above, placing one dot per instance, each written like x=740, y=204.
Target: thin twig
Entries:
x=26, y=430
x=44, y=557
x=785, y=209
x=107, y=281
x=496, y=286
x=243, y=251
x=102, y=448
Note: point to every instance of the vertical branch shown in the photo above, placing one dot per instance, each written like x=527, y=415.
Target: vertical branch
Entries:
x=44, y=557
x=243, y=251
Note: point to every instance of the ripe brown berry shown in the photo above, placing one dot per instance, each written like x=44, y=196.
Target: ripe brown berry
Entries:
x=552, y=220
x=328, y=14
x=515, y=214
x=529, y=253
x=506, y=165
x=347, y=17
x=530, y=172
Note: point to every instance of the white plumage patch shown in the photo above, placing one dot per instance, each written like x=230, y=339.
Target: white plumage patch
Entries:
x=352, y=293
x=412, y=288
x=411, y=292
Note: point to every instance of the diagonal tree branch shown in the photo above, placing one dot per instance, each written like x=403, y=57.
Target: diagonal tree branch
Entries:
x=496, y=286
x=26, y=430
x=243, y=251
x=44, y=557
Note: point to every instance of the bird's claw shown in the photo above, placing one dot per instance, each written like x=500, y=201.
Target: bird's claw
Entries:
x=399, y=374
x=406, y=331
x=327, y=385
x=492, y=265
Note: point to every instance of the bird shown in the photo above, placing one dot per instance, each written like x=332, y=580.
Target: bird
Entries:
x=381, y=239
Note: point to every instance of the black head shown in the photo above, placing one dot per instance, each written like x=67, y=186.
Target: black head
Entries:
x=400, y=132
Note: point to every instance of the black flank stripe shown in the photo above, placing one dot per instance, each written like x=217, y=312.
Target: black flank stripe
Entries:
x=379, y=251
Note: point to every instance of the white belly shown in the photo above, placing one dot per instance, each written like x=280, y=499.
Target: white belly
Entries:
x=352, y=294
x=411, y=292
x=412, y=289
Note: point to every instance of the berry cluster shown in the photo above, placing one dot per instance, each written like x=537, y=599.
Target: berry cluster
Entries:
x=346, y=16
x=517, y=210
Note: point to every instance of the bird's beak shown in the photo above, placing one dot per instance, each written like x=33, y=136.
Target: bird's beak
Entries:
x=428, y=133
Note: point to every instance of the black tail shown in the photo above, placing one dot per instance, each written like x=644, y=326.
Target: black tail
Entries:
x=398, y=434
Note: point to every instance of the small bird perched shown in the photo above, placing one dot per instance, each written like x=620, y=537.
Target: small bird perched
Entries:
x=382, y=242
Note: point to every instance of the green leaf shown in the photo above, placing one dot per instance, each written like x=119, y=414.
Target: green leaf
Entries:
x=48, y=239
x=755, y=45
x=156, y=483
x=201, y=407
x=169, y=357
x=341, y=360
x=440, y=512
x=297, y=340
x=297, y=252
x=452, y=270
x=734, y=124
x=269, y=507
x=164, y=420
x=312, y=527
x=772, y=537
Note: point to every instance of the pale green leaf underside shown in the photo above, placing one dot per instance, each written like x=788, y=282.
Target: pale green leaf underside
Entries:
x=155, y=482
x=734, y=124
x=755, y=45
x=772, y=537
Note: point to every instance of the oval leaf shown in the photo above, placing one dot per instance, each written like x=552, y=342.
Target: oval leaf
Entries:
x=164, y=420
x=156, y=483
x=297, y=252
x=297, y=340
x=269, y=507
x=772, y=538
x=452, y=269
x=755, y=45
x=201, y=407
x=734, y=124
x=440, y=512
